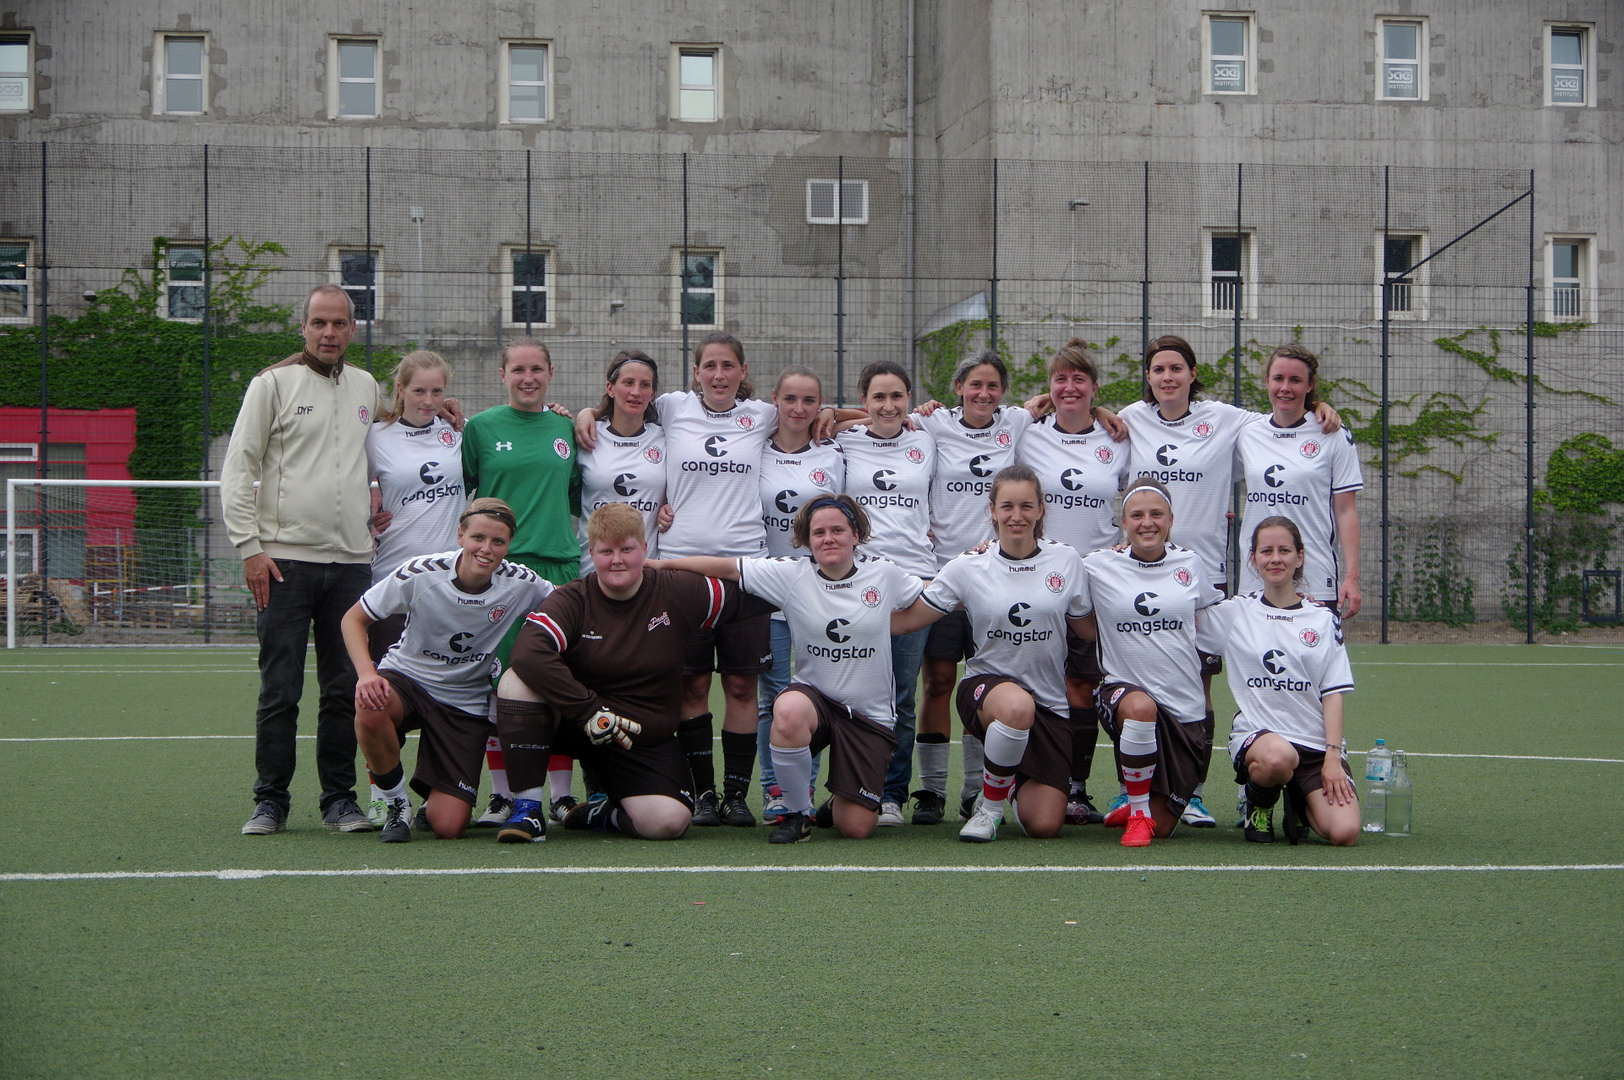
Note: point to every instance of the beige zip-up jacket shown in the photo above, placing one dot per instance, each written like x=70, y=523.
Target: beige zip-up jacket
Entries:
x=302, y=436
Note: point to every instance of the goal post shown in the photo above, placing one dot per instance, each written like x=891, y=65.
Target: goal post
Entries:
x=109, y=562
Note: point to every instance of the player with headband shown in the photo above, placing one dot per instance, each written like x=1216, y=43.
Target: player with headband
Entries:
x=1145, y=602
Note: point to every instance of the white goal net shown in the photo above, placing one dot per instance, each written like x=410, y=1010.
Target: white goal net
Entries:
x=112, y=562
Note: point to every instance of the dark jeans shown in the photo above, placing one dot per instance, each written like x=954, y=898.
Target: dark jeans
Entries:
x=309, y=595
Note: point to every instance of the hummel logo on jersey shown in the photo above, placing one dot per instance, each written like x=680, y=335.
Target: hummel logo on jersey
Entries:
x=978, y=465
x=714, y=446
x=883, y=481
x=1015, y=616
x=1271, y=662
x=662, y=619
x=782, y=501
x=458, y=642
x=1072, y=479
x=1271, y=475
x=1164, y=454
x=504, y=446
x=1143, y=604
x=623, y=484
x=836, y=631
x=429, y=477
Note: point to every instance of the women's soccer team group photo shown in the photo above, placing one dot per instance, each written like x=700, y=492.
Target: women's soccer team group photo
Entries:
x=535, y=590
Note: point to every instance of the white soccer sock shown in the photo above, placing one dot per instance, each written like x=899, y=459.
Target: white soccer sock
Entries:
x=933, y=762
x=792, y=765
x=534, y=794
x=970, y=786
x=377, y=793
x=1138, y=738
x=559, y=780
x=396, y=792
x=1199, y=788
x=496, y=765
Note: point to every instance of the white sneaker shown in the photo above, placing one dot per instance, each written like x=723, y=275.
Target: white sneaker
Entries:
x=1196, y=814
x=496, y=813
x=378, y=812
x=890, y=814
x=983, y=824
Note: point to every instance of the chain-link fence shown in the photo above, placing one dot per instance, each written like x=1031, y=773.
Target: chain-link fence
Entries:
x=158, y=279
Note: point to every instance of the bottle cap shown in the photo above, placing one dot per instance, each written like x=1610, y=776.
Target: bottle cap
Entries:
x=1381, y=742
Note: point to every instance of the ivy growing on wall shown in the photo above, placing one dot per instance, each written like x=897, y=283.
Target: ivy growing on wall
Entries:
x=121, y=353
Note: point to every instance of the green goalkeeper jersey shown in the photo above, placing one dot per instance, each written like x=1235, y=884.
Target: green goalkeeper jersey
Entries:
x=528, y=460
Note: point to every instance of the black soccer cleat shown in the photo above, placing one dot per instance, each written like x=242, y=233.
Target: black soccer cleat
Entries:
x=396, y=829
x=736, y=812
x=594, y=815
x=928, y=807
x=706, y=812
x=825, y=817
x=794, y=829
x=1260, y=824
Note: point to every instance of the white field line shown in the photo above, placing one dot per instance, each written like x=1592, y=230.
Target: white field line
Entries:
x=496, y=871
x=1102, y=745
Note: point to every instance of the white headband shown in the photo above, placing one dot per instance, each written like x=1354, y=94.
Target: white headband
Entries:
x=1153, y=490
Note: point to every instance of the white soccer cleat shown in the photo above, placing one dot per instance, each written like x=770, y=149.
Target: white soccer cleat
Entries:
x=890, y=814
x=983, y=825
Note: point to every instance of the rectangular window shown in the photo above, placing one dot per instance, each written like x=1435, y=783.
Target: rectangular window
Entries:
x=1229, y=53
x=16, y=73
x=527, y=285
x=825, y=207
x=183, y=282
x=1230, y=273
x=185, y=62
x=354, y=85
x=1402, y=68
x=1407, y=292
x=356, y=272
x=699, y=300
x=699, y=82
x=1569, y=65
x=14, y=280
x=1568, y=271
x=526, y=83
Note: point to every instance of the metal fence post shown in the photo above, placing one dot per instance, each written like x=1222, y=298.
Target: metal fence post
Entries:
x=682, y=271
x=43, y=549
x=529, y=194
x=208, y=405
x=1387, y=307
x=372, y=267
x=992, y=305
x=840, y=280
x=1144, y=281
x=1528, y=406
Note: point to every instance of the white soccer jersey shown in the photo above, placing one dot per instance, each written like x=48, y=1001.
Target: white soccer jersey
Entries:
x=1081, y=475
x=840, y=630
x=1194, y=458
x=1018, y=610
x=1280, y=663
x=967, y=459
x=1147, y=624
x=449, y=645
x=1294, y=472
x=890, y=479
x=712, y=461
x=419, y=475
x=624, y=469
x=790, y=481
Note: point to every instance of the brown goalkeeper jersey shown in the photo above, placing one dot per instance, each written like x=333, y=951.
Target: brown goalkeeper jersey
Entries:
x=582, y=650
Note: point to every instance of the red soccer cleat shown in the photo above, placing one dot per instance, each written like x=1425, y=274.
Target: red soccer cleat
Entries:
x=1139, y=832
x=1118, y=817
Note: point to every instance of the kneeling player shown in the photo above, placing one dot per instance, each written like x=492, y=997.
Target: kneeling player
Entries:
x=1019, y=594
x=838, y=605
x=436, y=678
x=1145, y=602
x=1288, y=670
x=596, y=673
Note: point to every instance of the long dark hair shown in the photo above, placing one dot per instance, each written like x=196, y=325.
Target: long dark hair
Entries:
x=746, y=387
x=606, y=407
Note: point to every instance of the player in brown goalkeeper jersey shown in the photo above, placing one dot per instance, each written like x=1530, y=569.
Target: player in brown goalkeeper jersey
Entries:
x=596, y=673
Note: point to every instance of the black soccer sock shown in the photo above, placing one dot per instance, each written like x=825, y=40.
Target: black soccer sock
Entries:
x=1208, y=727
x=1261, y=797
x=391, y=780
x=525, y=730
x=738, y=762
x=695, y=736
x=1085, y=732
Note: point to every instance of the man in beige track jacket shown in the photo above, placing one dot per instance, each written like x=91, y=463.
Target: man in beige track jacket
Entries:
x=301, y=435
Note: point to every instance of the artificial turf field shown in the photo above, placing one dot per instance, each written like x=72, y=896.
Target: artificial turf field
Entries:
x=1488, y=944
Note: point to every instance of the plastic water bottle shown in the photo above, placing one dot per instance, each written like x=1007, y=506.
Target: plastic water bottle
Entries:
x=1378, y=769
x=1398, y=798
